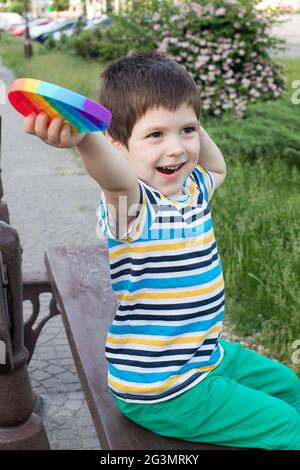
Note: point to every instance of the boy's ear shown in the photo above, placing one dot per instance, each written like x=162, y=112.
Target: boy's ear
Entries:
x=117, y=144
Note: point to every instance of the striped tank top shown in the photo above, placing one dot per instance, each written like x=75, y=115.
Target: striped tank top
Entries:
x=167, y=276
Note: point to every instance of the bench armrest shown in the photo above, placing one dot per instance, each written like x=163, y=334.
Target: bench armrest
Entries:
x=35, y=284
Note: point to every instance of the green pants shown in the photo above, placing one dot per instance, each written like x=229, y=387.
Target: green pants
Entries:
x=248, y=401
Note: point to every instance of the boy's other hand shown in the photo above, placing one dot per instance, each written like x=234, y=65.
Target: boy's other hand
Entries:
x=56, y=133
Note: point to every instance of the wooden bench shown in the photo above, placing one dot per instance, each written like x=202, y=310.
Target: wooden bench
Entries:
x=80, y=281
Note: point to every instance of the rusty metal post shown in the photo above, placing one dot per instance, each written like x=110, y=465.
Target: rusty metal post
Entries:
x=20, y=428
x=27, y=38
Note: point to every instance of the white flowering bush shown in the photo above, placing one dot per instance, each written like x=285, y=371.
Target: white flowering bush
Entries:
x=225, y=46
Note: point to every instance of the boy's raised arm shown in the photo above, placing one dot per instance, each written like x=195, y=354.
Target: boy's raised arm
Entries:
x=211, y=158
x=114, y=174
x=105, y=163
x=102, y=160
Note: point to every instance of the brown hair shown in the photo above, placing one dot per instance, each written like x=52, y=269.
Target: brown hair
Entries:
x=133, y=84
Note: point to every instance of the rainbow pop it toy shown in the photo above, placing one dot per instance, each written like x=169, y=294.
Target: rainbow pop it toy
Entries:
x=34, y=96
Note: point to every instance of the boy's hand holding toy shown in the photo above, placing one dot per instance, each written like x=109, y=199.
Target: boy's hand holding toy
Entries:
x=60, y=117
x=58, y=133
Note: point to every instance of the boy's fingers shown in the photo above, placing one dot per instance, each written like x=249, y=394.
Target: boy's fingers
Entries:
x=28, y=125
x=66, y=134
x=57, y=133
x=41, y=126
x=54, y=130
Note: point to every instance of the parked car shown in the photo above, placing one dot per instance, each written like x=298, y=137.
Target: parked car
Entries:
x=87, y=25
x=20, y=29
x=39, y=29
x=57, y=26
x=57, y=35
x=98, y=21
x=8, y=19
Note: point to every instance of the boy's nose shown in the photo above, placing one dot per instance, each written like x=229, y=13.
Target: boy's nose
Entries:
x=174, y=148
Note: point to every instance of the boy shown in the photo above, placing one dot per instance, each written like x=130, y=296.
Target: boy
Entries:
x=168, y=368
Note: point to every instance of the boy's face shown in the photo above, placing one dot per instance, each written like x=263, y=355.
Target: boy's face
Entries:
x=164, y=138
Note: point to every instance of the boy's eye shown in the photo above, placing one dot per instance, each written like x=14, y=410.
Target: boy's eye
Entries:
x=192, y=129
x=158, y=133
x=154, y=134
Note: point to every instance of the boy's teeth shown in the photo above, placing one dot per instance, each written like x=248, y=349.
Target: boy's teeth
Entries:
x=169, y=169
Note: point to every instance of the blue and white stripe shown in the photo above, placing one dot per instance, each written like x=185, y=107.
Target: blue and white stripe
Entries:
x=167, y=277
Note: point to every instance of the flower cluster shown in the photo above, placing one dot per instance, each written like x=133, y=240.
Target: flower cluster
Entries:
x=226, y=48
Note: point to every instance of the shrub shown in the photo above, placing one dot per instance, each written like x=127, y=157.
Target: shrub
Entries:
x=113, y=41
x=266, y=130
x=127, y=33
x=86, y=44
x=226, y=48
x=14, y=7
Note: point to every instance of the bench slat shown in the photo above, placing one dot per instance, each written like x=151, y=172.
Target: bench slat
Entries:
x=80, y=279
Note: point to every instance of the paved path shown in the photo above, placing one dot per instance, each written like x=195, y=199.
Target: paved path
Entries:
x=290, y=31
x=52, y=201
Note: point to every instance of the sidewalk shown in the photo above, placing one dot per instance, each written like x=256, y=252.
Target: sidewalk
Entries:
x=290, y=31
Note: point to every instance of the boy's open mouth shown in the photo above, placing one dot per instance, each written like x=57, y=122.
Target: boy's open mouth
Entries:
x=169, y=170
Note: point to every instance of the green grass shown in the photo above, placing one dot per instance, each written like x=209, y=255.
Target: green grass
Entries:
x=256, y=216
x=267, y=129
x=291, y=69
x=256, y=211
x=61, y=69
x=257, y=222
